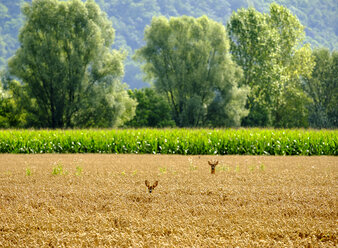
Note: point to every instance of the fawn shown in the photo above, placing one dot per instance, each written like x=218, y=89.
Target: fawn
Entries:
x=151, y=187
x=213, y=165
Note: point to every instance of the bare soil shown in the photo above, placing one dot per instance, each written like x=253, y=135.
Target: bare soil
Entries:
x=102, y=201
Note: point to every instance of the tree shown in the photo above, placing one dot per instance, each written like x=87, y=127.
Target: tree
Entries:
x=152, y=109
x=269, y=49
x=11, y=112
x=187, y=59
x=322, y=88
x=67, y=66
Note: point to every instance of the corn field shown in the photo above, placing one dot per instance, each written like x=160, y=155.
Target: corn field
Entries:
x=172, y=141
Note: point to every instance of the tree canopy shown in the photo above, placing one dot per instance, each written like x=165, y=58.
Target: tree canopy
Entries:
x=70, y=74
x=189, y=62
x=152, y=109
x=322, y=88
x=269, y=49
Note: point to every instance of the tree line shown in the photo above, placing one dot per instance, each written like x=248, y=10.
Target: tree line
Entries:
x=255, y=71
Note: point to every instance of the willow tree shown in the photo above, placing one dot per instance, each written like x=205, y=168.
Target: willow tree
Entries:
x=67, y=66
x=187, y=59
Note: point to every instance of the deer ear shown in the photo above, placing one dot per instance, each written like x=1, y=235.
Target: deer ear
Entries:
x=155, y=184
x=147, y=183
x=209, y=163
x=216, y=163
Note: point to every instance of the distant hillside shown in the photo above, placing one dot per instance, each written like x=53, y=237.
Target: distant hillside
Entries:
x=130, y=17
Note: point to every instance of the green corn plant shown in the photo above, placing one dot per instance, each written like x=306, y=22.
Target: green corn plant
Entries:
x=28, y=172
x=223, y=168
x=78, y=170
x=163, y=170
x=262, y=167
x=58, y=170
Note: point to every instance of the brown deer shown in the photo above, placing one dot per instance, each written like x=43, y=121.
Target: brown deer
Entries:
x=213, y=165
x=151, y=187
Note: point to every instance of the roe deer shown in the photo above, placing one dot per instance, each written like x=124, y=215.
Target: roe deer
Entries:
x=151, y=187
x=213, y=165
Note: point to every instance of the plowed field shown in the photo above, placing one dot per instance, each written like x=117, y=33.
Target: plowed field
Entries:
x=93, y=200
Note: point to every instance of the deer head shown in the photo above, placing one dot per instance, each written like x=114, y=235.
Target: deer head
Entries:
x=151, y=187
x=213, y=165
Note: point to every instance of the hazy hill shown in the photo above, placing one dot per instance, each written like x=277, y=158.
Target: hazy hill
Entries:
x=130, y=17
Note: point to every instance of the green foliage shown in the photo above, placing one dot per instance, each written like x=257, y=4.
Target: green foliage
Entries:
x=69, y=71
x=28, y=172
x=79, y=170
x=106, y=108
x=318, y=16
x=322, y=88
x=187, y=59
x=58, y=170
x=152, y=109
x=268, y=48
x=11, y=112
x=262, y=167
x=134, y=173
x=292, y=110
x=223, y=168
x=172, y=141
x=163, y=170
